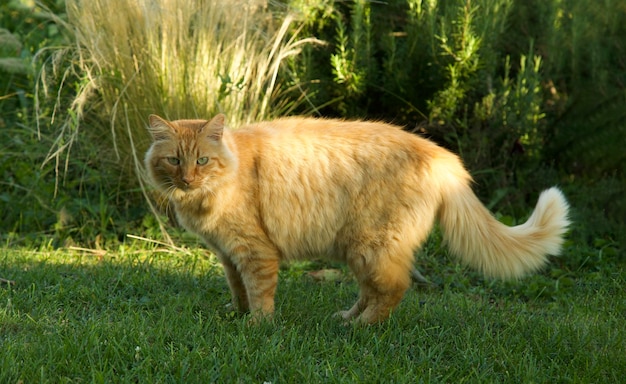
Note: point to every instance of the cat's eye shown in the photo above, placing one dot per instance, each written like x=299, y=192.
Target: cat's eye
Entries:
x=173, y=160
x=202, y=160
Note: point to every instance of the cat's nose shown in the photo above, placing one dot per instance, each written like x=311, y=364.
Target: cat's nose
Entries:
x=187, y=180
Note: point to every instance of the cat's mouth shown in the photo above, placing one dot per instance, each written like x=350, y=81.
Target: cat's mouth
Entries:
x=182, y=190
x=188, y=187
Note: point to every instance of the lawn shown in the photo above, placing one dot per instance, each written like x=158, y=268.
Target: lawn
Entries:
x=137, y=315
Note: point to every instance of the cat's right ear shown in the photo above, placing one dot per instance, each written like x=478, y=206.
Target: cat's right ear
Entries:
x=159, y=128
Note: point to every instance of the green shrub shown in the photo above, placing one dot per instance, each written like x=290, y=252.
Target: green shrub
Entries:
x=528, y=93
x=26, y=188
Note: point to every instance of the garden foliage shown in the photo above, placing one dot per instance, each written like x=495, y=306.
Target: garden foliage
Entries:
x=529, y=93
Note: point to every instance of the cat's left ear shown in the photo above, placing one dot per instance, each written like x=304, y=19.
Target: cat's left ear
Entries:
x=214, y=129
x=159, y=128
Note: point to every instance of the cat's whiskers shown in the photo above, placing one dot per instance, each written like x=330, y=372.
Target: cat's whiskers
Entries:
x=169, y=193
x=167, y=189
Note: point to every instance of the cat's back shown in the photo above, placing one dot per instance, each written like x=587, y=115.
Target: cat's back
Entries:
x=321, y=130
x=298, y=136
x=335, y=148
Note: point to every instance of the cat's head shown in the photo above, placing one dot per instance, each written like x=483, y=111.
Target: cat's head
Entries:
x=188, y=156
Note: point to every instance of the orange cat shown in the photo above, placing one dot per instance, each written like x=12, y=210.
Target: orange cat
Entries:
x=365, y=193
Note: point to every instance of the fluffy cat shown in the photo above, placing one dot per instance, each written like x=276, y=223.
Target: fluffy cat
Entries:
x=366, y=193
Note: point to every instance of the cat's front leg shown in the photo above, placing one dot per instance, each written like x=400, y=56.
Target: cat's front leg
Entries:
x=236, y=285
x=259, y=275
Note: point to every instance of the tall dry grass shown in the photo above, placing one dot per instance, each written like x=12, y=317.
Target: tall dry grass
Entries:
x=178, y=58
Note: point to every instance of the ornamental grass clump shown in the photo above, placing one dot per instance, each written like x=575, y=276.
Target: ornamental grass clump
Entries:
x=126, y=59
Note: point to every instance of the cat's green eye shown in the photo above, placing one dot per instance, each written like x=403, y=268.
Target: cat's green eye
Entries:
x=202, y=160
x=173, y=160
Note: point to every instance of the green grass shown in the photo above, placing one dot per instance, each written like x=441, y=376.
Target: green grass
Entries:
x=136, y=315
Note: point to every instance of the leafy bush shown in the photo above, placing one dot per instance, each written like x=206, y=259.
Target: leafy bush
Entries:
x=492, y=79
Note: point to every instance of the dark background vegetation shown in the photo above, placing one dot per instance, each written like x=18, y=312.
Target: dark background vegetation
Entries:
x=530, y=94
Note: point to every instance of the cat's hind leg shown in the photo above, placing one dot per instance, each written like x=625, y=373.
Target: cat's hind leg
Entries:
x=384, y=275
x=382, y=258
x=382, y=291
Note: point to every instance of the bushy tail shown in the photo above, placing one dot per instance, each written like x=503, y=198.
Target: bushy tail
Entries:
x=493, y=248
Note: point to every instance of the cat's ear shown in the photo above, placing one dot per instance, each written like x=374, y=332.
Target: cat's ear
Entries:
x=159, y=128
x=214, y=129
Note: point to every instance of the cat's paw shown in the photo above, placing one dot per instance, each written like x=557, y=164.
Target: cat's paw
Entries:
x=347, y=317
x=258, y=317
